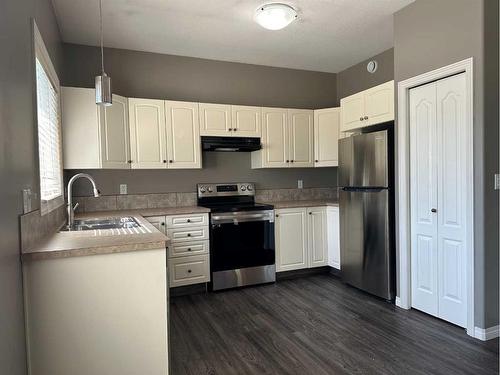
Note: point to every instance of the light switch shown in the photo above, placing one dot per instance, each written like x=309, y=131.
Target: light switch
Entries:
x=123, y=189
x=300, y=184
x=497, y=181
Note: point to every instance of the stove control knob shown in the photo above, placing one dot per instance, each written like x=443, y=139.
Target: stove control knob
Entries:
x=203, y=189
x=243, y=188
x=209, y=189
x=249, y=188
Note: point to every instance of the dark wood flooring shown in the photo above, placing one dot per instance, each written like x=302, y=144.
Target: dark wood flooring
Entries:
x=316, y=325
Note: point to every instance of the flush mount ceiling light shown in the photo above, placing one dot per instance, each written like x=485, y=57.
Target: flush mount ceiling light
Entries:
x=275, y=16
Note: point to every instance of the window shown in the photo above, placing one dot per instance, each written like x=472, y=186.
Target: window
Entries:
x=49, y=129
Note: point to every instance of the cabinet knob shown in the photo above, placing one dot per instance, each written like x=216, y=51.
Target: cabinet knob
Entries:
x=361, y=118
x=291, y=161
x=277, y=215
x=189, y=249
x=310, y=213
x=288, y=161
x=230, y=129
x=164, y=161
x=163, y=224
x=188, y=220
x=433, y=210
x=170, y=161
x=189, y=234
x=189, y=271
x=316, y=161
x=129, y=161
x=366, y=117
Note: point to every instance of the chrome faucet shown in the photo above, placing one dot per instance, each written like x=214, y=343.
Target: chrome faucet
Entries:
x=70, y=208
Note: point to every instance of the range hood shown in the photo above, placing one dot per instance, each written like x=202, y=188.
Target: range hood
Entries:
x=232, y=144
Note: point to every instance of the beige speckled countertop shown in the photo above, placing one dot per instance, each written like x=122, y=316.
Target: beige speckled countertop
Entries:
x=93, y=242
x=305, y=203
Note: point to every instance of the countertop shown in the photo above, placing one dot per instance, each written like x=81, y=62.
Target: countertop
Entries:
x=93, y=242
x=305, y=203
x=148, y=212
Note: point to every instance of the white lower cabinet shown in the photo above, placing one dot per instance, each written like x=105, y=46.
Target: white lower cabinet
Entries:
x=333, y=236
x=189, y=249
x=305, y=237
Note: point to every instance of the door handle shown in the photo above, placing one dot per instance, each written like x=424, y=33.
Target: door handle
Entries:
x=433, y=210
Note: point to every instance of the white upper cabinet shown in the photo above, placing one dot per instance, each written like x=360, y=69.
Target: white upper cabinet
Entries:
x=115, y=142
x=369, y=107
x=287, y=139
x=326, y=137
x=183, y=135
x=353, y=111
x=246, y=121
x=103, y=131
x=215, y=119
x=300, y=123
x=275, y=140
x=379, y=103
x=147, y=133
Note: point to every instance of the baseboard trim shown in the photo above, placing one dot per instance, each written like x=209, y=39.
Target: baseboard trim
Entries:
x=398, y=302
x=485, y=334
x=188, y=290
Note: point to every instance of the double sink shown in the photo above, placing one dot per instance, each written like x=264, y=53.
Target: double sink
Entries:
x=102, y=223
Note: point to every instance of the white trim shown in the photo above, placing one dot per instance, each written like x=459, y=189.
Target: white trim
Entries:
x=398, y=303
x=487, y=334
x=403, y=226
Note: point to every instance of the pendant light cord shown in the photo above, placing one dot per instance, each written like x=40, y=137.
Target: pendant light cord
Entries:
x=102, y=45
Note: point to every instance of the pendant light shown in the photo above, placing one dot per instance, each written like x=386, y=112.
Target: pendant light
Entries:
x=103, y=95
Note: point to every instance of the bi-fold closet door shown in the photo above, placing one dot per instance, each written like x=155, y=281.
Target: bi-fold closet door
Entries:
x=438, y=198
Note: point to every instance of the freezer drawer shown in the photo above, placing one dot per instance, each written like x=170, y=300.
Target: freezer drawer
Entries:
x=367, y=252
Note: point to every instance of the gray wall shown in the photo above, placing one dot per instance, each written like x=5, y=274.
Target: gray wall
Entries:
x=217, y=167
x=157, y=76
x=356, y=78
x=429, y=34
x=18, y=157
x=150, y=75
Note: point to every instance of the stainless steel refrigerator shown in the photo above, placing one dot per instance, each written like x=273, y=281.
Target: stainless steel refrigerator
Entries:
x=367, y=212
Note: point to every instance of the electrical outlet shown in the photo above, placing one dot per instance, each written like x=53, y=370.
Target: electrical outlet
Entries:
x=497, y=181
x=300, y=184
x=123, y=189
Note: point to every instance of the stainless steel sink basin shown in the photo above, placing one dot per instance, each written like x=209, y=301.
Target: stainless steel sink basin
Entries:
x=103, y=223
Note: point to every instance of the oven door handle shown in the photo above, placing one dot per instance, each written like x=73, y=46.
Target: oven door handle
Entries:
x=239, y=217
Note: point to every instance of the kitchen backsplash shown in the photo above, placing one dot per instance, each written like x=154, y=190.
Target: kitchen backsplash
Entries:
x=138, y=201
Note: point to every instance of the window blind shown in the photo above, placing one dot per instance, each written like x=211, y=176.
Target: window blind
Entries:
x=49, y=136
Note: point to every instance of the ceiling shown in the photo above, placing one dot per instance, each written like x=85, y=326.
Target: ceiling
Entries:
x=329, y=36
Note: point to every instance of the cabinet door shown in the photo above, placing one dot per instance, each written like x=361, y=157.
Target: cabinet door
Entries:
x=291, y=239
x=80, y=123
x=147, y=133
x=326, y=137
x=353, y=111
x=158, y=222
x=115, y=142
x=317, y=235
x=333, y=233
x=301, y=128
x=215, y=119
x=246, y=121
x=183, y=135
x=379, y=104
x=275, y=142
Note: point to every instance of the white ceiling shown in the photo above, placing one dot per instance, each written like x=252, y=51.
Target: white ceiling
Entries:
x=329, y=36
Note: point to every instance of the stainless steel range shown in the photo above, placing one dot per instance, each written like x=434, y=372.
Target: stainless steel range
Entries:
x=242, y=248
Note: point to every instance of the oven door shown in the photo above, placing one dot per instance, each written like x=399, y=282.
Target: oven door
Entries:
x=241, y=239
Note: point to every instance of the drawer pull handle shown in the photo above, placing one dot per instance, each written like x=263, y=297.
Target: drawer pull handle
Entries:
x=189, y=271
x=188, y=220
x=189, y=249
x=189, y=234
x=163, y=224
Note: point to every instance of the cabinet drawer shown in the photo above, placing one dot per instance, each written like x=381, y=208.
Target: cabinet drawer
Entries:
x=158, y=222
x=189, y=270
x=187, y=234
x=188, y=248
x=190, y=220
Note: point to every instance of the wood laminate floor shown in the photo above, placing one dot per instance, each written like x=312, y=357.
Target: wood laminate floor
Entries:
x=316, y=325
